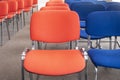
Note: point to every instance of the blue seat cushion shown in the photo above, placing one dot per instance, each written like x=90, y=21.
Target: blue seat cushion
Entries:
x=84, y=35
x=105, y=58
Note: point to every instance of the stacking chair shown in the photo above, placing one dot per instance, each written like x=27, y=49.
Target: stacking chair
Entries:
x=3, y=17
x=108, y=24
x=20, y=11
x=12, y=11
x=53, y=62
x=56, y=4
x=83, y=11
x=27, y=8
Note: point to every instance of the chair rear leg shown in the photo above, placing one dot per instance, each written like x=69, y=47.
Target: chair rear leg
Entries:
x=8, y=31
x=115, y=42
x=1, y=34
x=22, y=70
x=24, y=18
x=96, y=73
x=31, y=76
x=17, y=19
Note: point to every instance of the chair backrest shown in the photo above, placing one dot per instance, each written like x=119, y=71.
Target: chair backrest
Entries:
x=54, y=26
x=12, y=6
x=104, y=23
x=35, y=1
x=113, y=8
x=55, y=8
x=56, y=4
x=20, y=4
x=28, y=3
x=3, y=8
x=84, y=10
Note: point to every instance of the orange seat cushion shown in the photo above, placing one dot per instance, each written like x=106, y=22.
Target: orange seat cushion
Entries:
x=2, y=17
x=54, y=62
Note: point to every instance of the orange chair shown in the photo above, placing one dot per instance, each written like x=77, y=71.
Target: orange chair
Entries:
x=27, y=8
x=56, y=4
x=20, y=10
x=55, y=8
x=55, y=26
x=3, y=17
x=12, y=11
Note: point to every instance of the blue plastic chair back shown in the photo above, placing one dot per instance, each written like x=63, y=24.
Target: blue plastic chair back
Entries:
x=103, y=23
x=113, y=8
x=84, y=10
x=104, y=3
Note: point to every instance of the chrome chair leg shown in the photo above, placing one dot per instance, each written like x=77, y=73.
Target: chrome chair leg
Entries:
x=110, y=42
x=17, y=16
x=31, y=76
x=115, y=42
x=70, y=44
x=24, y=18
x=22, y=71
x=96, y=73
x=8, y=31
x=21, y=20
x=1, y=34
x=13, y=25
x=37, y=78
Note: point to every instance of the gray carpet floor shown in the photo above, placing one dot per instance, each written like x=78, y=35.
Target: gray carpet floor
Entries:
x=10, y=60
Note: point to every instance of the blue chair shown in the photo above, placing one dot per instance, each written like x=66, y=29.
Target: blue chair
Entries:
x=108, y=24
x=84, y=9
x=113, y=8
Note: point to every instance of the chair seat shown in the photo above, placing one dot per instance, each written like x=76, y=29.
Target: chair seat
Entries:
x=2, y=17
x=84, y=35
x=54, y=62
x=10, y=15
x=106, y=58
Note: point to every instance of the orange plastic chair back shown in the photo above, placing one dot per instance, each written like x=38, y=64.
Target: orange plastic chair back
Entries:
x=55, y=8
x=20, y=4
x=56, y=4
x=12, y=6
x=3, y=9
x=35, y=2
x=54, y=26
x=28, y=3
